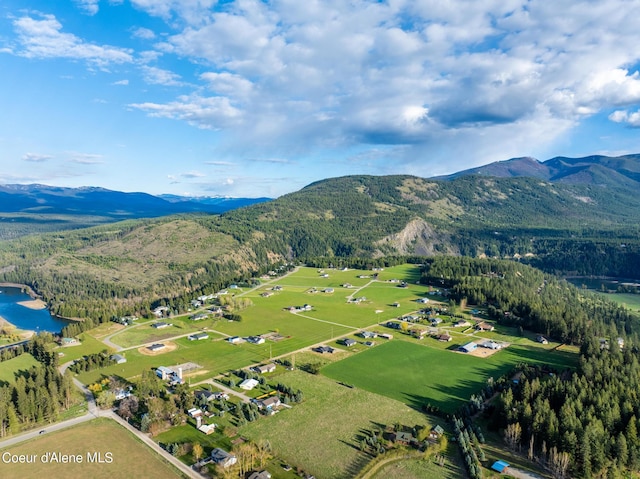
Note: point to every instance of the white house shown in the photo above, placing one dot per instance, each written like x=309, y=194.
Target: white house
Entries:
x=248, y=384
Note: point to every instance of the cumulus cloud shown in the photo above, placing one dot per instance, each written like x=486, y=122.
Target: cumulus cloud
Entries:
x=629, y=118
x=42, y=37
x=121, y=82
x=36, y=158
x=204, y=112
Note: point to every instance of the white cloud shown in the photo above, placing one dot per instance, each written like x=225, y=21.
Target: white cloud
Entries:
x=85, y=158
x=35, y=157
x=121, y=82
x=143, y=33
x=192, y=174
x=630, y=118
x=204, y=112
x=43, y=38
x=90, y=7
x=158, y=76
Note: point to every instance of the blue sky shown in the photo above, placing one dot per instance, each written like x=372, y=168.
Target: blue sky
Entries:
x=259, y=98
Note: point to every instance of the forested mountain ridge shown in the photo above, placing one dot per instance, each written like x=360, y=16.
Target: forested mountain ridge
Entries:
x=132, y=265
x=613, y=172
x=28, y=209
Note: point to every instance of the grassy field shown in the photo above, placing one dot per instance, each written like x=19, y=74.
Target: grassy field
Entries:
x=16, y=366
x=421, y=468
x=131, y=458
x=321, y=434
x=88, y=345
x=416, y=374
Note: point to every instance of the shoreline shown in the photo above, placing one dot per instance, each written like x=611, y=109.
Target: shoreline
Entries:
x=23, y=287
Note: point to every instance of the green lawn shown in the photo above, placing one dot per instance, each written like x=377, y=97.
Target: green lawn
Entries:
x=416, y=374
x=17, y=366
x=322, y=434
x=88, y=345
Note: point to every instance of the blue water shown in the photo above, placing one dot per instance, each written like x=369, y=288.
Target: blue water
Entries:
x=25, y=318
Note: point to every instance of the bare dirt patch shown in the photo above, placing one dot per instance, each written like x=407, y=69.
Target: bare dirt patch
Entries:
x=481, y=352
x=33, y=304
x=168, y=347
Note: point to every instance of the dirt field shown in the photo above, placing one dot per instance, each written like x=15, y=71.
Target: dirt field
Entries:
x=169, y=346
x=481, y=352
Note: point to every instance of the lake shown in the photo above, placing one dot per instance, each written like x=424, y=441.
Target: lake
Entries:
x=26, y=318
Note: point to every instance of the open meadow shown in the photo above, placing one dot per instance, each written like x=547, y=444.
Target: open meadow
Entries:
x=130, y=457
x=417, y=375
x=322, y=433
x=18, y=366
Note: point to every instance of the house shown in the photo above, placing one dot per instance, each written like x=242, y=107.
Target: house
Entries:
x=469, y=347
x=347, y=285
x=248, y=384
x=198, y=317
x=159, y=311
x=369, y=343
x=328, y=290
x=436, y=432
x=402, y=437
x=386, y=336
x=393, y=325
x=223, y=458
x=395, y=305
x=266, y=294
x=461, y=323
x=160, y=325
x=198, y=336
x=484, y=326
x=436, y=321
x=492, y=345
x=444, y=337
x=265, y=368
x=621, y=343
x=195, y=412
x=235, y=340
x=164, y=372
x=207, y=428
x=221, y=395
x=323, y=349
x=208, y=395
x=121, y=394
x=500, y=466
x=542, y=340
x=68, y=341
x=349, y=342
x=156, y=347
x=277, y=288
x=260, y=475
x=118, y=358
x=422, y=300
x=419, y=333
x=367, y=334
x=255, y=340
x=269, y=404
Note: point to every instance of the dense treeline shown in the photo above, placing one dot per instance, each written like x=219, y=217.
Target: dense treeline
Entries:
x=37, y=396
x=520, y=295
x=585, y=424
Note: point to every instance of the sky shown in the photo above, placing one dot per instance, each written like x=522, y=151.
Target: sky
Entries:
x=254, y=98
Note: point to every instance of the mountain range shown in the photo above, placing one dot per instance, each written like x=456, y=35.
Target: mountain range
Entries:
x=572, y=215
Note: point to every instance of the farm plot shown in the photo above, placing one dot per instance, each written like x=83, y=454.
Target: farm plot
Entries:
x=417, y=375
x=321, y=434
x=129, y=455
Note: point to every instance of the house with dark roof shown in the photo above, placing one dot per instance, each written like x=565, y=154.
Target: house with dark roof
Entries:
x=223, y=458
